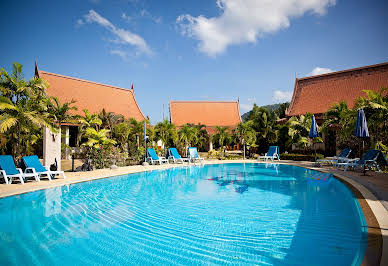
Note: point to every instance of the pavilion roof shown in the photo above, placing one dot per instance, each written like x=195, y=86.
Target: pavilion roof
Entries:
x=316, y=94
x=92, y=95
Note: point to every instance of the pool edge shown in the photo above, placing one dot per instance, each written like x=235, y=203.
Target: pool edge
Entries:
x=376, y=216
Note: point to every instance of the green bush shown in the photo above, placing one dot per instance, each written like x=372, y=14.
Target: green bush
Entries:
x=300, y=157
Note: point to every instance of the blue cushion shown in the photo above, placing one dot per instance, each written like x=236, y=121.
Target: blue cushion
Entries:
x=8, y=165
x=175, y=153
x=151, y=152
x=193, y=152
x=33, y=162
x=272, y=150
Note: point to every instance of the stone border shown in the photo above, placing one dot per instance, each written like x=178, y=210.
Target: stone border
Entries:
x=376, y=216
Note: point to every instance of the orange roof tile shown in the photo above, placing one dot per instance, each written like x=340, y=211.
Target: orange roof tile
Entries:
x=317, y=94
x=211, y=114
x=92, y=96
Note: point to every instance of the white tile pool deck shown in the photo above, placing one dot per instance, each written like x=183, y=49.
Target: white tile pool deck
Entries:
x=376, y=205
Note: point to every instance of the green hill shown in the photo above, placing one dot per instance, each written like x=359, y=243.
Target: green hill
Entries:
x=270, y=107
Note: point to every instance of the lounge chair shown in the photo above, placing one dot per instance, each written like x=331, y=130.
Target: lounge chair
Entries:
x=152, y=157
x=371, y=158
x=194, y=156
x=34, y=166
x=173, y=155
x=344, y=156
x=272, y=153
x=9, y=171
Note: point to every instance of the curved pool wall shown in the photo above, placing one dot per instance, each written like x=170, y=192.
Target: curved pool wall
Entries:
x=215, y=214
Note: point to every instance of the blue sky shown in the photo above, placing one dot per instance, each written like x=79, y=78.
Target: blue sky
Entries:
x=194, y=50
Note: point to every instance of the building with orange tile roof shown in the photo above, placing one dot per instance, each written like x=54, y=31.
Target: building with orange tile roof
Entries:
x=92, y=95
x=316, y=94
x=208, y=113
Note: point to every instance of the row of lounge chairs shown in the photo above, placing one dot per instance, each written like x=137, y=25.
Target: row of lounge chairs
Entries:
x=34, y=169
x=371, y=159
x=173, y=156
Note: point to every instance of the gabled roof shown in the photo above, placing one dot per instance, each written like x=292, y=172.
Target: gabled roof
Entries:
x=92, y=96
x=316, y=94
x=211, y=114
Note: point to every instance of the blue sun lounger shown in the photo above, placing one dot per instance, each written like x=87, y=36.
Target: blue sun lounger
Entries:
x=374, y=158
x=173, y=155
x=33, y=165
x=153, y=158
x=272, y=153
x=9, y=171
x=344, y=156
x=194, y=156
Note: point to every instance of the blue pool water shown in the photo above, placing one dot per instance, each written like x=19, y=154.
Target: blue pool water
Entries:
x=215, y=214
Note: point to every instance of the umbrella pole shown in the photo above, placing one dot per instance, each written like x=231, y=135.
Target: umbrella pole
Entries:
x=364, y=166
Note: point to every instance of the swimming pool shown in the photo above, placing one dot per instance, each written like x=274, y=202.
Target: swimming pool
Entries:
x=216, y=214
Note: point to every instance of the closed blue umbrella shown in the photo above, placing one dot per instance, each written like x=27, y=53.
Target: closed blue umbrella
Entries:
x=361, y=129
x=313, y=128
x=314, y=133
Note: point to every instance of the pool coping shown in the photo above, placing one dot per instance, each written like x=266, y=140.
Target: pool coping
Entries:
x=376, y=216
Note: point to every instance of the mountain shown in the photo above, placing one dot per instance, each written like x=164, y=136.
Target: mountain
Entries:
x=270, y=107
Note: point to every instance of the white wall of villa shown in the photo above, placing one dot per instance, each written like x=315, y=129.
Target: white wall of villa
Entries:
x=51, y=147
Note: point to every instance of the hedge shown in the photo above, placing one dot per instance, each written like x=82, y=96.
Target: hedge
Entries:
x=300, y=157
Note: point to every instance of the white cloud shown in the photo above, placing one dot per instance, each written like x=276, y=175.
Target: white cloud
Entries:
x=281, y=96
x=121, y=53
x=247, y=106
x=320, y=71
x=123, y=36
x=245, y=21
x=143, y=14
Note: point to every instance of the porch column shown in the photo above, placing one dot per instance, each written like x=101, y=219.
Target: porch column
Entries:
x=51, y=147
x=210, y=146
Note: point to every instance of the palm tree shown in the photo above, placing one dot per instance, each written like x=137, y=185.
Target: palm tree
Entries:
x=264, y=123
x=97, y=138
x=166, y=132
x=246, y=134
x=203, y=136
x=375, y=105
x=60, y=113
x=222, y=136
x=299, y=129
x=121, y=133
x=87, y=121
x=342, y=119
x=137, y=130
x=22, y=107
x=187, y=135
x=109, y=119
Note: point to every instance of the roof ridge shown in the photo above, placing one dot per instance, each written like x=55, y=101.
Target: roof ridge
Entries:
x=137, y=105
x=343, y=71
x=82, y=80
x=203, y=101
